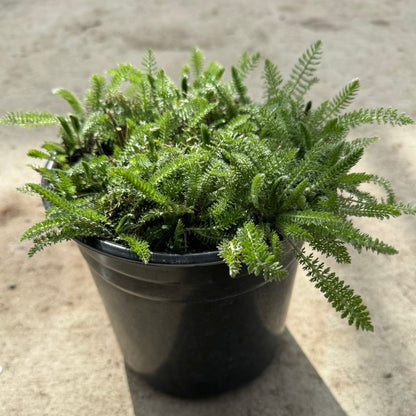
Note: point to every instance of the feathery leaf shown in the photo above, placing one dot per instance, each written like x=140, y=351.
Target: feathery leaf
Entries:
x=29, y=119
x=71, y=99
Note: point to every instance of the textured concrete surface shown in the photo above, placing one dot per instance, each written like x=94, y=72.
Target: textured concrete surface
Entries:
x=58, y=355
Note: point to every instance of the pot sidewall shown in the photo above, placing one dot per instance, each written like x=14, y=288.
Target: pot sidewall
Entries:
x=189, y=329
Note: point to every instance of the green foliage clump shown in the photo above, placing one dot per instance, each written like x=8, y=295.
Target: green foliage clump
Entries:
x=157, y=167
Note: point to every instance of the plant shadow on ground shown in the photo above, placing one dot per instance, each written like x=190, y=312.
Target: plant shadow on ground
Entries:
x=289, y=386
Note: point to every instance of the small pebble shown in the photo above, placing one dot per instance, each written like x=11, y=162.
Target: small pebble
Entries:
x=12, y=287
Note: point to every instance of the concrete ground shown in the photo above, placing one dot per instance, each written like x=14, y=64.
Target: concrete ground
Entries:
x=58, y=354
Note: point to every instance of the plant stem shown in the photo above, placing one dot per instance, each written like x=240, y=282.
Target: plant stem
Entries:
x=116, y=127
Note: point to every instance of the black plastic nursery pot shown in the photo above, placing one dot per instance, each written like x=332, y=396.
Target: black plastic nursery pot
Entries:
x=182, y=323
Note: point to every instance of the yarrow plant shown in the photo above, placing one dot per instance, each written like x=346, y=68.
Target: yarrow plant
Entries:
x=198, y=167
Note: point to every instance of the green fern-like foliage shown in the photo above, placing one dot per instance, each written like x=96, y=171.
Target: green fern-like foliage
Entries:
x=200, y=166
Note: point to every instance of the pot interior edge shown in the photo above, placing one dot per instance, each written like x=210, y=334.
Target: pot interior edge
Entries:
x=113, y=249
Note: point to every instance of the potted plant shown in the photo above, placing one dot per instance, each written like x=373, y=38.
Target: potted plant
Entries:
x=191, y=205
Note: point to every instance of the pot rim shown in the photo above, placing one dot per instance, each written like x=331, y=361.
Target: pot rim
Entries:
x=114, y=249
